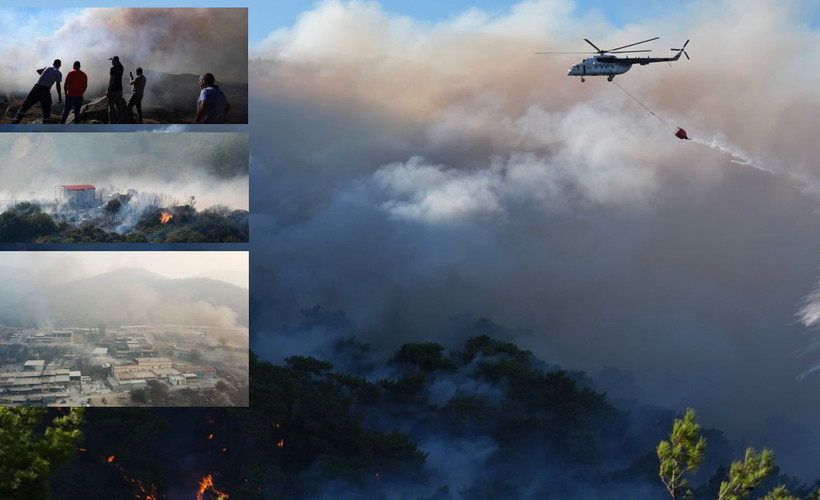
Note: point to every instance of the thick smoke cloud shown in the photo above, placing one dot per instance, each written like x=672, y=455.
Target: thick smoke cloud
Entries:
x=159, y=40
x=211, y=167
x=416, y=171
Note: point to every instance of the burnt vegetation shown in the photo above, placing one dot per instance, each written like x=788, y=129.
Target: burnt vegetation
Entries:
x=487, y=421
x=26, y=222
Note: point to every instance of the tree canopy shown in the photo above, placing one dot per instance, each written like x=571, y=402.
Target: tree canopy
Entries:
x=29, y=454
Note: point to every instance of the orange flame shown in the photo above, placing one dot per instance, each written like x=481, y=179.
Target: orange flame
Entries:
x=111, y=459
x=281, y=443
x=210, y=436
x=206, y=484
x=165, y=217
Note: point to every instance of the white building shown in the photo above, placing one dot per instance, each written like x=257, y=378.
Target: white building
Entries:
x=76, y=194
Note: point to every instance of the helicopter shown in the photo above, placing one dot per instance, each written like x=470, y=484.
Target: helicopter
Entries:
x=611, y=65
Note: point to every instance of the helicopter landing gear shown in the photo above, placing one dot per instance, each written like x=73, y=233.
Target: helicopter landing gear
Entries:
x=610, y=77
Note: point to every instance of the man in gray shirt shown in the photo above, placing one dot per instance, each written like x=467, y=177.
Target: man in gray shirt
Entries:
x=212, y=105
x=41, y=92
x=136, y=94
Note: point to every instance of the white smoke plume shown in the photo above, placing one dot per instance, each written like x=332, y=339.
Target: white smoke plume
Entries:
x=446, y=168
x=211, y=167
x=163, y=40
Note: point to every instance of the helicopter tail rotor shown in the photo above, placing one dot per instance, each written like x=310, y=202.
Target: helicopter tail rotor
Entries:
x=682, y=50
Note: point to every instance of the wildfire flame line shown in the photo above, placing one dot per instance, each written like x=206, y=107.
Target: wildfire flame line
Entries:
x=165, y=217
x=143, y=493
x=207, y=483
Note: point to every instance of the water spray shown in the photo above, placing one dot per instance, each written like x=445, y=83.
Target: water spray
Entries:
x=718, y=142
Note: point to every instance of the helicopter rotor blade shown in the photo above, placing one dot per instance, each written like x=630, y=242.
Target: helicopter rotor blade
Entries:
x=566, y=52
x=628, y=51
x=631, y=44
x=596, y=48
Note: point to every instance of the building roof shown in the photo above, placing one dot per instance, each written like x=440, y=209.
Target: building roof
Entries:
x=139, y=374
x=201, y=369
x=77, y=187
x=152, y=361
x=36, y=363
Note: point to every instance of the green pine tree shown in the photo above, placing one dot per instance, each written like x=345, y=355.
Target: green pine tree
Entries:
x=683, y=453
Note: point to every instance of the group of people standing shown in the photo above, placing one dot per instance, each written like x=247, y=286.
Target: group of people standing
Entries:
x=211, y=106
x=76, y=83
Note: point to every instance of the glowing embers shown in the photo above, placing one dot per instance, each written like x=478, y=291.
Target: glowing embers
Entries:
x=207, y=484
x=281, y=442
x=142, y=491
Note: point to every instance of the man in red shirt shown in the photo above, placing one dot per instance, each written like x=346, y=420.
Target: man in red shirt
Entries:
x=75, y=84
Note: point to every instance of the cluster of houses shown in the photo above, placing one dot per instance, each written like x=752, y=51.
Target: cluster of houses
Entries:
x=35, y=385
x=175, y=373
x=130, y=361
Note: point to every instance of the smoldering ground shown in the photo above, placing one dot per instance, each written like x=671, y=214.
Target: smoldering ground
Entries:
x=213, y=168
x=412, y=171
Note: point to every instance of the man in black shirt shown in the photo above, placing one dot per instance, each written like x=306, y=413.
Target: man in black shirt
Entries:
x=114, y=92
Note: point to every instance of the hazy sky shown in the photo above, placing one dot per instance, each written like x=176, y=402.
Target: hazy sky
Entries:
x=25, y=23
x=175, y=41
x=61, y=267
